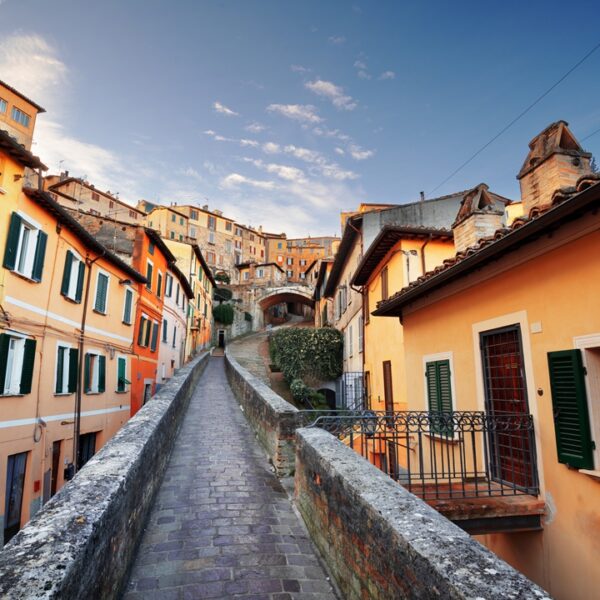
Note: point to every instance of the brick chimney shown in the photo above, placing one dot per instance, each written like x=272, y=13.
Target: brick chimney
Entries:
x=555, y=160
x=480, y=215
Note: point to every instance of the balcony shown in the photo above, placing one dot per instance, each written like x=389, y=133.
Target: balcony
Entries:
x=477, y=469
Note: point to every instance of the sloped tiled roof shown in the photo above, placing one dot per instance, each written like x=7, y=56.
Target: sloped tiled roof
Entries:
x=566, y=203
x=17, y=151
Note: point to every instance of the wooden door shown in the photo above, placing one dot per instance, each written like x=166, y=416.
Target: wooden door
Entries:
x=506, y=394
x=387, y=386
x=15, y=483
x=55, y=466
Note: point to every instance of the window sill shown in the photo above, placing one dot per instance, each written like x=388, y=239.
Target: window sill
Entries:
x=591, y=473
x=71, y=300
x=12, y=395
x=99, y=312
x=121, y=391
x=23, y=276
x=126, y=323
x=64, y=393
x=93, y=393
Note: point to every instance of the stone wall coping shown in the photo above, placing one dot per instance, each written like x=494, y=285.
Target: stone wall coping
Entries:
x=65, y=544
x=274, y=400
x=451, y=558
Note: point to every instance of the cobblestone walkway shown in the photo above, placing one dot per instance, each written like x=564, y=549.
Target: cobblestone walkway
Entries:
x=222, y=525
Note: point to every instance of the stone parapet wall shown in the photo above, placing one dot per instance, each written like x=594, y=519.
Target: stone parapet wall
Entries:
x=273, y=419
x=380, y=542
x=81, y=544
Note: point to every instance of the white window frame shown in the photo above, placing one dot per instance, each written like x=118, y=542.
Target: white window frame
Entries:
x=34, y=227
x=66, y=368
x=16, y=367
x=118, y=358
x=94, y=370
x=128, y=290
x=98, y=273
x=74, y=275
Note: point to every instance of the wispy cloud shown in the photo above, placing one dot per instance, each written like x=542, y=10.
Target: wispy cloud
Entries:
x=234, y=180
x=223, y=110
x=299, y=69
x=255, y=127
x=297, y=112
x=192, y=173
x=328, y=169
x=362, y=70
x=332, y=92
x=387, y=75
x=357, y=153
x=245, y=142
x=336, y=40
x=285, y=172
x=339, y=151
x=271, y=148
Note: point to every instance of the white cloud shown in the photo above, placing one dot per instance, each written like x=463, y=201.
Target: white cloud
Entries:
x=363, y=75
x=255, y=127
x=362, y=70
x=192, y=173
x=283, y=171
x=387, y=75
x=337, y=40
x=223, y=110
x=245, y=142
x=299, y=69
x=210, y=132
x=297, y=112
x=234, y=180
x=333, y=92
x=323, y=166
x=357, y=153
x=271, y=148
x=331, y=133
x=359, y=64
x=339, y=151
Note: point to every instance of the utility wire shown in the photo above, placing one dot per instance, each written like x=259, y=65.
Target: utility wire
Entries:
x=587, y=137
x=519, y=116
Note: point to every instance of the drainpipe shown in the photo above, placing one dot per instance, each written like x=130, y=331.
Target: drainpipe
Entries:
x=422, y=251
x=77, y=424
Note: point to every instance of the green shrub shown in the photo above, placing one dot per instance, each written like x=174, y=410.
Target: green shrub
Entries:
x=306, y=353
x=300, y=391
x=223, y=278
x=223, y=313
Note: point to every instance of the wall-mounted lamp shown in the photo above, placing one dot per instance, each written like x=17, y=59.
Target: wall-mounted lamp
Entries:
x=125, y=281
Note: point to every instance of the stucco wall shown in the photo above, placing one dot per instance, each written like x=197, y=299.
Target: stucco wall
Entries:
x=81, y=544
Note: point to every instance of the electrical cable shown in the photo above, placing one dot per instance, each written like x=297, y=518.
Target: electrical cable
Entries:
x=518, y=117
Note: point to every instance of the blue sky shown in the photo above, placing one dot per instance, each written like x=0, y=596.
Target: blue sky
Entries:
x=284, y=113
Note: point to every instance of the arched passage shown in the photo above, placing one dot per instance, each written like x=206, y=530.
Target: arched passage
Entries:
x=285, y=301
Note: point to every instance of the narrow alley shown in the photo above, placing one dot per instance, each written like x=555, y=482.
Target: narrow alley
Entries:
x=222, y=526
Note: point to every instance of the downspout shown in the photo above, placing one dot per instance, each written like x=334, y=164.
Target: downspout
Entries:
x=422, y=251
x=77, y=424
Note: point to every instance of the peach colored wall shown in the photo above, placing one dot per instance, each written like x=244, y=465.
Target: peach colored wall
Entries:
x=389, y=329
x=40, y=311
x=554, y=298
x=22, y=133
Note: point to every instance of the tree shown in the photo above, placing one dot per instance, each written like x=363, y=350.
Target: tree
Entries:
x=223, y=313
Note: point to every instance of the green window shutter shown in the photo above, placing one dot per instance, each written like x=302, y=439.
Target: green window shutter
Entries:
x=12, y=242
x=121, y=375
x=66, y=278
x=141, y=332
x=4, y=342
x=439, y=394
x=569, y=404
x=73, y=369
x=165, y=330
x=147, y=334
x=101, y=373
x=60, y=366
x=40, y=254
x=127, y=310
x=154, y=337
x=100, y=304
x=149, y=276
x=159, y=285
x=86, y=373
x=28, y=363
x=80, y=278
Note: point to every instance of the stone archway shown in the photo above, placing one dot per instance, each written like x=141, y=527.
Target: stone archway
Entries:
x=292, y=297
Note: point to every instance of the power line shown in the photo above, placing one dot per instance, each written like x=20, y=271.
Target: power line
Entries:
x=587, y=137
x=519, y=116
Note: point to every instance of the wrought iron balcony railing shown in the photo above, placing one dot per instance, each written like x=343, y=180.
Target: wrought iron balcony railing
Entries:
x=440, y=456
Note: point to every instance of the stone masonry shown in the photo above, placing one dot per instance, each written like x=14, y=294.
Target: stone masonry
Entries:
x=222, y=525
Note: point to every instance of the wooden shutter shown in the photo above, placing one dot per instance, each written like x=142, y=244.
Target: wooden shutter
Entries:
x=12, y=242
x=569, y=403
x=86, y=373
x=28, y=362
x=384, y=284
x=80, y=277
x=127, y=311
x=73, y=369
x=154, y=337
x=147, y=334
x=40, y=254
x=433, y=400
x=141, y=331
x=159, y=285
x=101, y=373
x=439, y=393
x=165, y=330
x=387, y=387
x=100, y=305
x=60, y=365
x=149, y=276
x=66, y=278
x=4, y=343
x=121, y=375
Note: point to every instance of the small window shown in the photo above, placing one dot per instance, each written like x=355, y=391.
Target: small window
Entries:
x=360, y=334
x=384, y=284
x=181, y=221
x=177, y=291
x=101, y=293
x=144, y=332
x=66, y=369
x=127, y=309
x=228, y=226
x=94, y=373
x=151, y=248
x=194, y=214
x=350, y=339
x=159, y=279
x=439, y=394
x=17, y=358
x=122, y=381
x=246, y=275
x=165, y=330
x=174, y=336
x=25, y=248
x=168, y=285
x=3, y=105
x=20, y=117
x=212, y=223
x=211, y=237
x=279, y=245
x=149, y=268
x=73, y=274
x=154, y=338
x=173, y=218
x=181, y=237
x=172, y=235
x=96, y=196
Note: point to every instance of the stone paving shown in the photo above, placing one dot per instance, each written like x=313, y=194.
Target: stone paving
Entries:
x=222, y=526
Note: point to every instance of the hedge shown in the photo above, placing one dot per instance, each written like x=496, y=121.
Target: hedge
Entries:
x=223, y=313
x=307, y=353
